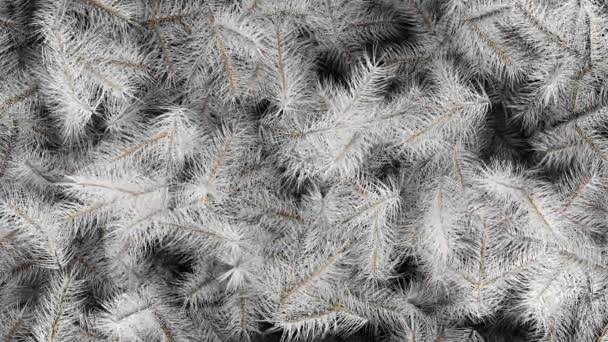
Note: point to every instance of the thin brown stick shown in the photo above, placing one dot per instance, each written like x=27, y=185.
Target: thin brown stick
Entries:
x=576, y=193
x=366, y=24
x=155, y=22
x=109, y=187
x=375, y=241
x=10, y=147
x=139, y=146
x=244, y=319
x=220, y=158
x=579, y=76
x=437, y=121
x=590, y=142
x=224, y=56
x=501, y=53
x=425, y=18
x=482, y=251
x=308, y=279
x=347, y=147
x=280, y=61
x=329, y=311
x=140, y=308
x=164, y=327
x=57, y=317
x=291, y=215
x=537, y=23
x=488, y=14
x=537, y=209
x=458, y=167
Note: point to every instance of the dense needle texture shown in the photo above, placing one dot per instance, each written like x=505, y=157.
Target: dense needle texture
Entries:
x=303, y=170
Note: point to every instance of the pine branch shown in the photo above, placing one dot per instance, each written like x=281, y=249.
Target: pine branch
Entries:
x=437, y=213
x=458, y=167
x=131, y=150
x=244, y=319
x=137, y=310
x=372, y=23
x=590, y=142
x=542, y=28
x=280, y=61
x=110, y=187
x=91, y=61
x=538, y=211
x=334, y=28
x=289, y=13
x=58, y=311
x=243, y=32
x=410, y=61
x=156, y=21
x=84, y=333
x=309, y=167
x=438, y=121
x=574, y=258
x=200, y=287
x=220, y=157
x=482, y=257
x=331, y=310
x=10, y=147
x=579, y=76
x=517, y=269
x=548, y=284
x=285, y=213
x=343, y=152
x=488, y=14
x=338, y=126
x=561, y=148
x=302, y=283
x=224, y=56
x=371, y=207
x=492, y=44
x=425, y=18
x=109, y=9
x=165, y=52
x=361, y=89
x=73, y=215
x=57, y=317
x=579, y=189
x=25, y=217
x=163, y=326
x=375, y=242
x=465, y=277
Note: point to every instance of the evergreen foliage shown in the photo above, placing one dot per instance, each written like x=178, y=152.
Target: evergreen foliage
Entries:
x=303, y=170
